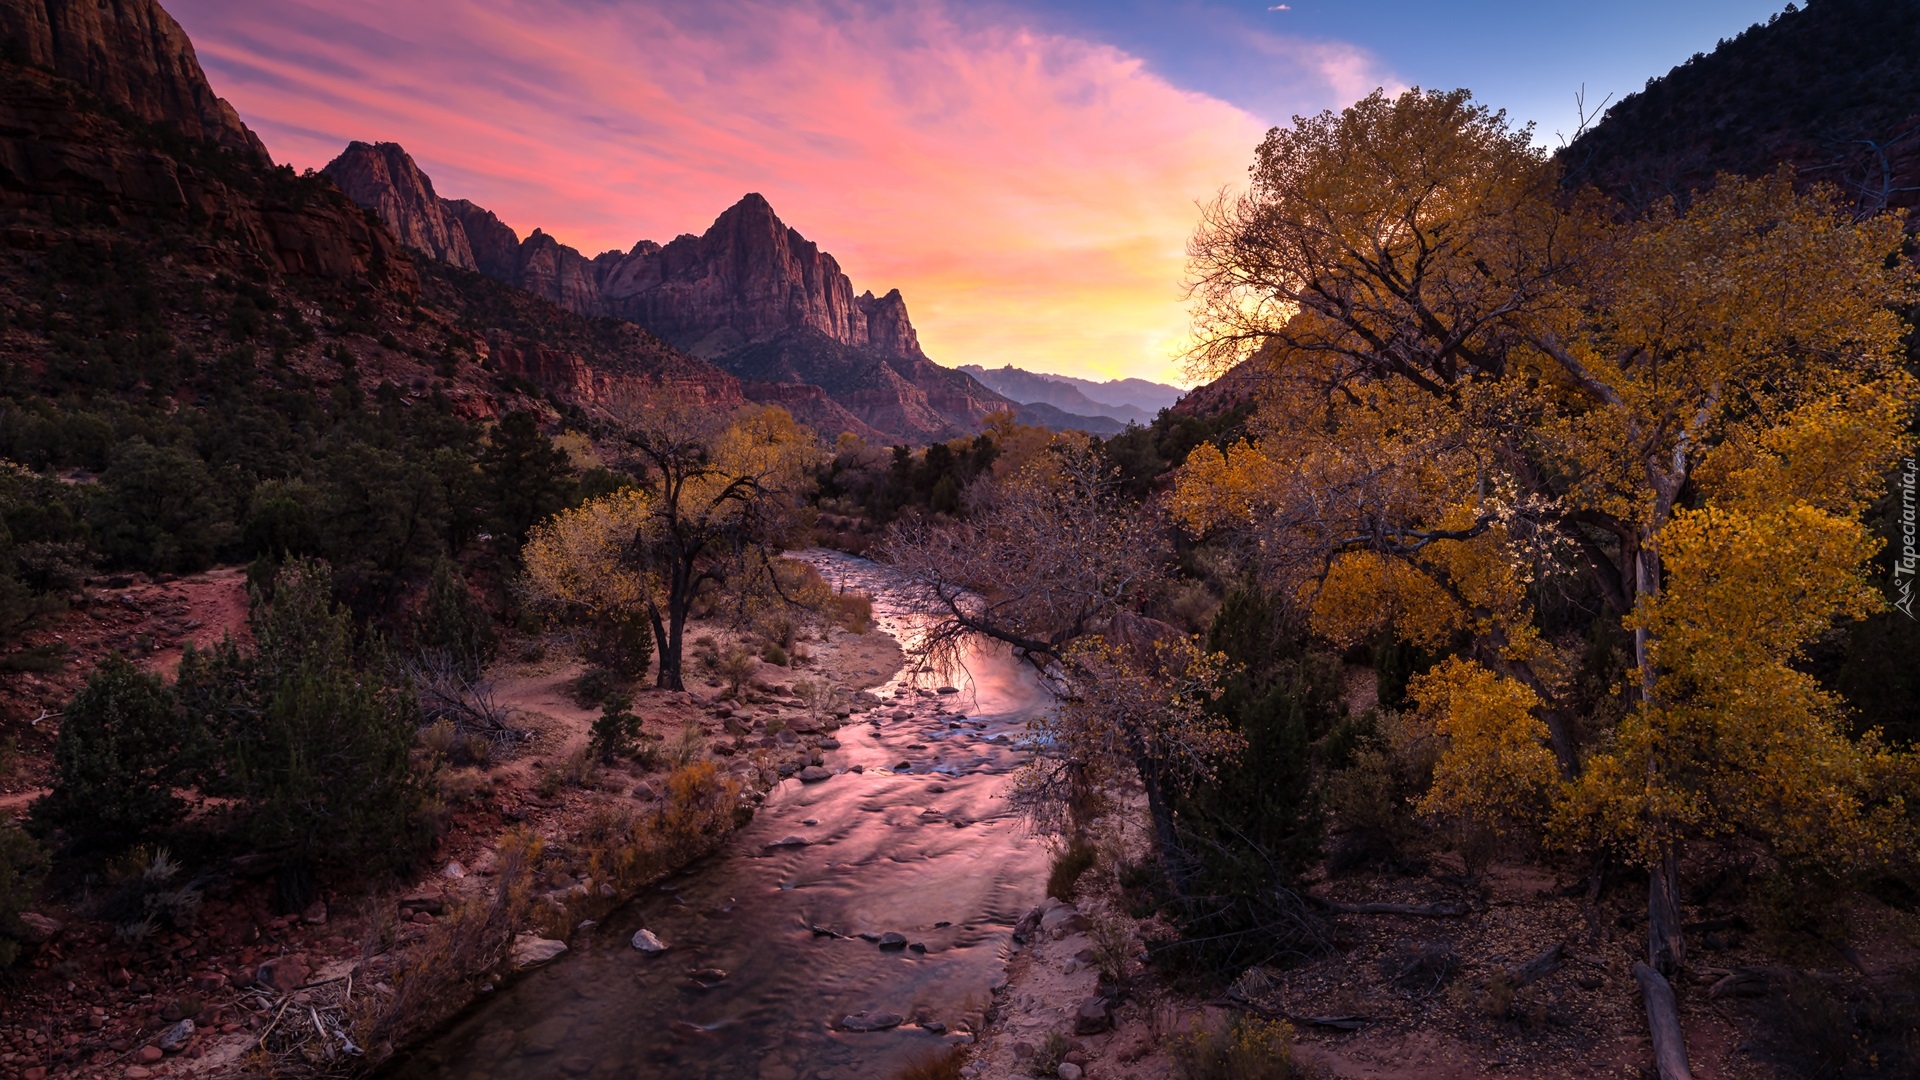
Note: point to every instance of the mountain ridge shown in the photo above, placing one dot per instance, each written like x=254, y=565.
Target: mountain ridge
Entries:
x=751, y=294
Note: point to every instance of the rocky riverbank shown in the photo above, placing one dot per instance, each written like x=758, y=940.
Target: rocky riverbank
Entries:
x=521, y=861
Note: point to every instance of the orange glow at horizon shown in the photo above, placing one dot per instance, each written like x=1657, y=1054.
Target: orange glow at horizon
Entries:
x=1029, y=193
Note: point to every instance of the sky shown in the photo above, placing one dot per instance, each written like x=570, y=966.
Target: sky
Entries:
x=1026, y=172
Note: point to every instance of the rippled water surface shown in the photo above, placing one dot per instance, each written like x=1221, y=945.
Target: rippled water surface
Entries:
x=931, y=852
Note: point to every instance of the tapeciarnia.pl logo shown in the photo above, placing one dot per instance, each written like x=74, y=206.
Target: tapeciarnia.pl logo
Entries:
x=1904, y=565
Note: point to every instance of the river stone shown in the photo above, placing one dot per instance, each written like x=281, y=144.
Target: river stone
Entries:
x=791, y=841
x=531, y=950
x=813, y=774
x=647, y=943
x=871, y=1021
x=893, y=940
x=1067, y=1070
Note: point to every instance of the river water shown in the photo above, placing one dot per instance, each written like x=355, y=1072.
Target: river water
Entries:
x=931, y=852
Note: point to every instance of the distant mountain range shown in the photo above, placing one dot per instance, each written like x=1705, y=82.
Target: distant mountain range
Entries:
x=1130, y=401
x=751, y=295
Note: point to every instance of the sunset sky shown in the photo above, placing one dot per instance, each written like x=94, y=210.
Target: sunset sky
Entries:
x=1025, y=173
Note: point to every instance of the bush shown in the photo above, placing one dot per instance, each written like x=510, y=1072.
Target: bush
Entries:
x=737, y=669
x=1246, y=1048
x=325, y=772
x=615, y=728
x=453, y=622
x=774, y=654
x=22, y=865
x=125, y=746
x=1072, y=861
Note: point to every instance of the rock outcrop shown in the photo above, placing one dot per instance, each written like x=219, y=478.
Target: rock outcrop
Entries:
x=62, y=158
x=384, y=178
x=750, y=293
x=130, y=53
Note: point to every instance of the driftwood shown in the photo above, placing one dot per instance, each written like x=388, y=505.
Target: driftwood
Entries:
x=1539, y=967
x=1663, y=1021
x=1443, y=909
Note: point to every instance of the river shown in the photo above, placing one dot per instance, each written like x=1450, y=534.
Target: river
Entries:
x=931, y=852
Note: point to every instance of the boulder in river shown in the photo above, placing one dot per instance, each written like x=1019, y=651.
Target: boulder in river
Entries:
x=791, y=841
x=871, y=1021
x=646, y=942
x=813, y=774
x=893, y=940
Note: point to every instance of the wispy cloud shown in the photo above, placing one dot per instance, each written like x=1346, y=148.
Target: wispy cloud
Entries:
x=1029, y=192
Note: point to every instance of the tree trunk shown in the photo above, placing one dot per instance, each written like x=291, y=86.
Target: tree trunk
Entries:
x=1163, y=831
x=679, y=599
x=1666, y=937
x=1663, y=1020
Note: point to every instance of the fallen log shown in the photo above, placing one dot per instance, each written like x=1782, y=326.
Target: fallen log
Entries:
x=1663, y=1021
x=1539, y=967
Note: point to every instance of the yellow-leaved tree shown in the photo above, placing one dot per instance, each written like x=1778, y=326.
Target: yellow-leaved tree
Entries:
x=580, y=569
x=1478, y=387
x=718, y=494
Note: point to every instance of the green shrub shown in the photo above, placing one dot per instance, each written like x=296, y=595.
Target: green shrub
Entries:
x=325, y=772
x=125, y=746
x=615, y=728
x=22, y=865
x=453, y=622
x=774, y=654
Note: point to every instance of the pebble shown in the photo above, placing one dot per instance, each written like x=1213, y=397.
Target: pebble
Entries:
x=646, y=942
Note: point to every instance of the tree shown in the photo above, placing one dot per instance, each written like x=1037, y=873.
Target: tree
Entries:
x=719, y=492
x=125, y=750
x=1478, y=394
x=580, y=568
x=1048, y=556
x=526, y=479
x=159, y=509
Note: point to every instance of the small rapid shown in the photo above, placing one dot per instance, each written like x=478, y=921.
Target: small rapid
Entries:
x=765, y=955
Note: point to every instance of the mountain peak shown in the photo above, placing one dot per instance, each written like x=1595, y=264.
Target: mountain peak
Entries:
x=132, y=53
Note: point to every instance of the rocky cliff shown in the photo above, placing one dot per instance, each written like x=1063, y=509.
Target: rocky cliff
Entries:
x=130, y=53
x=750, y=293
x=64, y=160
x=383, y=178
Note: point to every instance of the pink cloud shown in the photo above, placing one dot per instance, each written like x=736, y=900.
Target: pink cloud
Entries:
x=1030, y=193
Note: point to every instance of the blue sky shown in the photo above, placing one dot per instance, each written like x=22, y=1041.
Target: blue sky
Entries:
x=1529, y=58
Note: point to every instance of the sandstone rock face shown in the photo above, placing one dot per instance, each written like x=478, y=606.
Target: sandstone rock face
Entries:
x=495, y=247
x=748, y=277
x=750, y=294
x=384, y=178
x=131, y=53
x=58, y=154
